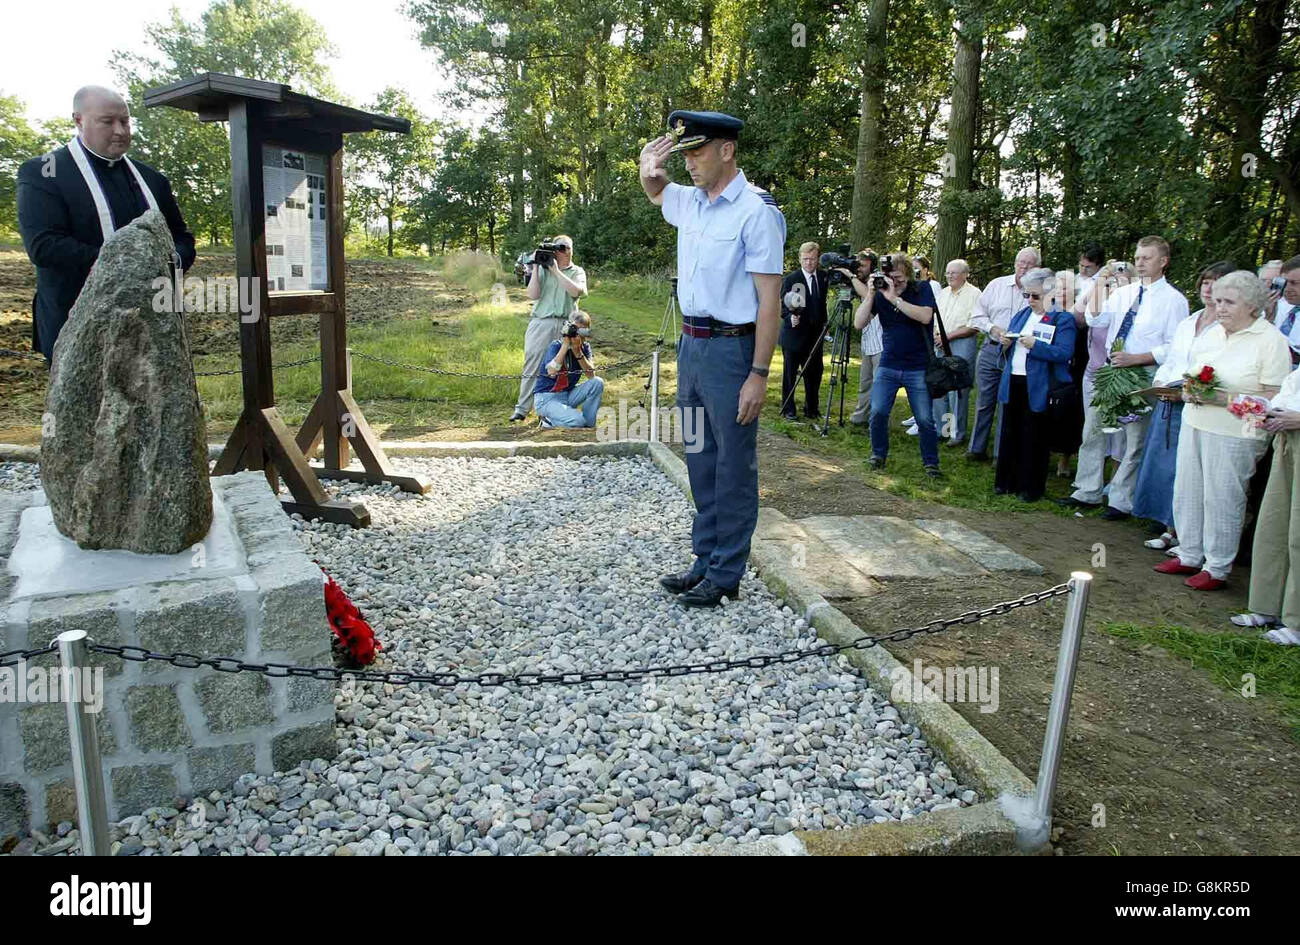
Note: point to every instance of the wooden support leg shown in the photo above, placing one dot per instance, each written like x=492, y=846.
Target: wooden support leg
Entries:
x=231, y=458
x=314, y=426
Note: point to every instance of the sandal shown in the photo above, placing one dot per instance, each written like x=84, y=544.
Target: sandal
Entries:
x=1283, y=636
x=1163, y=543
x=1250, y=619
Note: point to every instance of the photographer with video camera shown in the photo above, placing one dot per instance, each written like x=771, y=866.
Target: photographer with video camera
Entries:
x=905, y=309
x=560, y=399
x=555, y=284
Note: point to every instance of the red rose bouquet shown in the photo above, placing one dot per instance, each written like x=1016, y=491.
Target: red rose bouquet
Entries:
x=1203, y=384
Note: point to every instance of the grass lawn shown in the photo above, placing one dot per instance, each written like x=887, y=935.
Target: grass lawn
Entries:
x=1229, y=658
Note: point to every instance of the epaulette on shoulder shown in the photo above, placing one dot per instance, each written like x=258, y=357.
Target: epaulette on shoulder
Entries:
x=764, y=195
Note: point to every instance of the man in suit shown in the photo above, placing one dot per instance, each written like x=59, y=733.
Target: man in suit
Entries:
x=803, y=329
x=72, y=199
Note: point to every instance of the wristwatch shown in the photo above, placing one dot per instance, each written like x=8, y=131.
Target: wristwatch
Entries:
x=760, y=371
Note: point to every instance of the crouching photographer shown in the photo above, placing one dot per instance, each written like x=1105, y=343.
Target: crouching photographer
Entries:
x=555, y=284
x=558, y=397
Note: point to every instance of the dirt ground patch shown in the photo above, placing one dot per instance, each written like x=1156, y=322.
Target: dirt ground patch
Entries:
x=1181, y=765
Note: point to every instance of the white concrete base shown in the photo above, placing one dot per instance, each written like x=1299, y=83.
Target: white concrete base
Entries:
x=47, y=562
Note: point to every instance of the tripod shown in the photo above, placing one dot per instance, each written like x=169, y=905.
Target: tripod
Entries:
x=670, y=317
x=668, y=322
x=840, y=338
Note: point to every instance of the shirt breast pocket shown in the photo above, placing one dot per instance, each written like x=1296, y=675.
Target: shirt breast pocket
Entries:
x=718, y=252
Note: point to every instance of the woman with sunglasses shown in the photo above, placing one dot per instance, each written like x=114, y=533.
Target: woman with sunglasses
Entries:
x=1036, y=351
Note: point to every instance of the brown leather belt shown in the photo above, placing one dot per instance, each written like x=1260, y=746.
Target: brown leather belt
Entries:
x=705, y=326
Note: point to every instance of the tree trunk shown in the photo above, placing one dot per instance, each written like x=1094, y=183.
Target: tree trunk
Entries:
x=389, y=217
x=914, y=176
x=1246, y=102
x=870, y=186
x=950, y=228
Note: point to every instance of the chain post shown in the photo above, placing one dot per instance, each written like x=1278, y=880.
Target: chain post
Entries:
x=87, y=769
x=654, y=396
x=1062, y=687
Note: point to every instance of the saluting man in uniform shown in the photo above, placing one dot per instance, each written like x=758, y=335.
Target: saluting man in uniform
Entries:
x=730, y=243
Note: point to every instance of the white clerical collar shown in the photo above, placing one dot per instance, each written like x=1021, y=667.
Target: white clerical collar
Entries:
x=107, y=160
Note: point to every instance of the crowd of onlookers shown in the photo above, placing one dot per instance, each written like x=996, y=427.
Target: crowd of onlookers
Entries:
x=1214, y=450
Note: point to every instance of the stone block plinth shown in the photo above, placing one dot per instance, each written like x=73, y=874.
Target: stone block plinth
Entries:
x=247, y=592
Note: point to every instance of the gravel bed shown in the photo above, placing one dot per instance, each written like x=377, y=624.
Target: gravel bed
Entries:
x=549, y=565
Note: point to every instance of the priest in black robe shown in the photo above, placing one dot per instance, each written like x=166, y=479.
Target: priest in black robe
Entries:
x=72, y=198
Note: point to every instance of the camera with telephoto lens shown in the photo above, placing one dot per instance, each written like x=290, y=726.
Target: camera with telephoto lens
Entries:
x=1277, y=284
x=573, y=330
x=880, y=278
x=544, y=255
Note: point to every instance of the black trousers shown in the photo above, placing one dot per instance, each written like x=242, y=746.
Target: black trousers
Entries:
x=793, y=359
x=1023, y=448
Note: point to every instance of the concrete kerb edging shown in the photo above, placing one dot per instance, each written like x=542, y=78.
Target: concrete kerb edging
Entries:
x=979, y=829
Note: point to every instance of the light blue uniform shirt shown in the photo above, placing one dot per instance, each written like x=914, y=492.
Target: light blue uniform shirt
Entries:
x=719, y=244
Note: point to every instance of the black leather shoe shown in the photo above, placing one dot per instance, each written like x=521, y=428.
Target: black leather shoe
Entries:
x=708, y=594
x=680, y=583
x=978, y=457
x=516, y=417
x=1070, y=502
x=789, y=415
x=1114, y=515
x=812, y=416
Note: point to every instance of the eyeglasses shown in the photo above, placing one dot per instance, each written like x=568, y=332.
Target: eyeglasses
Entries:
x=1031, y=295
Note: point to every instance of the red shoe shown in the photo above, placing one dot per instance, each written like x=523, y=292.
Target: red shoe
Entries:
x=1174, y=566
x=1205, y=582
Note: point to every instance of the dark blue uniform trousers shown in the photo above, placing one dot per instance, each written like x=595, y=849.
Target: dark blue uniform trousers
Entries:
x=721, y=454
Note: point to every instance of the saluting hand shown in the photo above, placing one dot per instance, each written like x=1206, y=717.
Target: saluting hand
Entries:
x=654, y=156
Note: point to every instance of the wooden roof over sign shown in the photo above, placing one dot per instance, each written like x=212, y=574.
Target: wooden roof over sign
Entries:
x=209, y=95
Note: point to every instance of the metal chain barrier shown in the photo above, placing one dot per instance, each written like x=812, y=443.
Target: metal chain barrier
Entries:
x=228, y=664
x=24, y=355
x=14, y=657
x=274, y=367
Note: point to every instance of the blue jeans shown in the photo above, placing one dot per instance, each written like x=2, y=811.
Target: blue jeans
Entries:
x=883, y=393
x=562, y=408
x=957, y=402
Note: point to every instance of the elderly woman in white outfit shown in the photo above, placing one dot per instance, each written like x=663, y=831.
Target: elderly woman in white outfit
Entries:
x=1217, y=452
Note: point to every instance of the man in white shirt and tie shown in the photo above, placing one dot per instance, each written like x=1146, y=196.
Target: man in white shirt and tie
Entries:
x=1286, y=311
x=1141, y=317
x=998, y=302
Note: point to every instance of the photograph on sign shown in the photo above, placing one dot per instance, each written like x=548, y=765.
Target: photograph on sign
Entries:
x=297, y=246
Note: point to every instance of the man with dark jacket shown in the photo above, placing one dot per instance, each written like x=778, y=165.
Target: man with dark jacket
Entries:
x=803, y=328
x=71, y=199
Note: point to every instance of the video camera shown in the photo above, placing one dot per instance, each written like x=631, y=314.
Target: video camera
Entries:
x=544, y=255
x=839, y=260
